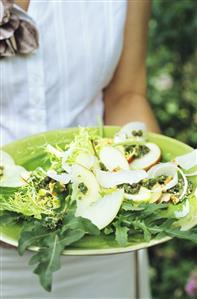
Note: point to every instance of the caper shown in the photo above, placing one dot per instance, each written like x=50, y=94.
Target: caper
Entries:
x=137, y=133
x=1, y=170
x=83, y=188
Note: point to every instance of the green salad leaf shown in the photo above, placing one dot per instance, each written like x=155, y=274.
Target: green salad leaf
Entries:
x=189, y=220
x=121, y=234
x=52, y=243
x=148, y=222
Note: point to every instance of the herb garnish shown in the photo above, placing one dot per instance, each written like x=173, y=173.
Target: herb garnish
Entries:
x=83, y=188
x=1, y=170
x=137, y=133
x=137, y=150
x=130, y=189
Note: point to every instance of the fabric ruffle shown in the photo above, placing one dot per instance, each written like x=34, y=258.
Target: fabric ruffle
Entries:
x=17, y=36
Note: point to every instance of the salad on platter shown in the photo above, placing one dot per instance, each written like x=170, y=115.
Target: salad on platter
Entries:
x=121, y=191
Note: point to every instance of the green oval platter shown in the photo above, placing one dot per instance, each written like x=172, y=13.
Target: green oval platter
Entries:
x=29, y=152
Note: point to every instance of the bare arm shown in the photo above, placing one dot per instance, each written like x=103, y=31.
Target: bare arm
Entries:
x=125, y=97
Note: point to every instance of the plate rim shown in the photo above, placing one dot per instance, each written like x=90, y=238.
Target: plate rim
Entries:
x=24, y=139
x=91, y=252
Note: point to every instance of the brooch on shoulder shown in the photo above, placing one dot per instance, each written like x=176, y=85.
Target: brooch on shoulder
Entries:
x=17, y=35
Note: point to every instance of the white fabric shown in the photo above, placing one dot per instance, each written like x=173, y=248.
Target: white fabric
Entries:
x=61, y=84
x=58, y=86
x=100, y=277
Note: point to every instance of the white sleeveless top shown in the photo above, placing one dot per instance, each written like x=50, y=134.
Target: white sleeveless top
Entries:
x=58, y=86
x=61, y=84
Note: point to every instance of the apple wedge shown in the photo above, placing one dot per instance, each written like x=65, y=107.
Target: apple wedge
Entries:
x=63, y=178
x=168, y=169
x=11, y=174
x=81, y=175
x=110, y=179
x=54, y=151
x=187, y=161
x=104, y=210
x=149, y=159
x=87, y=160
x=113, y=158
x=144, y=195
x=5, y=159
x=131, y=131
x=156, y=195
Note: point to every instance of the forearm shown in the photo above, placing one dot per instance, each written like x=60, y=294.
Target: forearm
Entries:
x=130, y=107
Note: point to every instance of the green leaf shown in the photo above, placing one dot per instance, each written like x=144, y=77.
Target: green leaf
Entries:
x=149, y=209
x=140, y=225
x=48, y=261
x=108, y=230
x=187, y=235
x=129, y=206
x=72, y=222
x=48, y=257
x=7, y=217
x=52, y=243
x=71, y=237
x=121, y=235
x=32, y=237
x=7, y=191
x=189, y=220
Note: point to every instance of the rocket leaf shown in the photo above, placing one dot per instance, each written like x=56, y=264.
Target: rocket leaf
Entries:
x=52, y=243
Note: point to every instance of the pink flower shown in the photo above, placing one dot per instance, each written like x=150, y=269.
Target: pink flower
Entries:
x=17, y=36
x=191, y=286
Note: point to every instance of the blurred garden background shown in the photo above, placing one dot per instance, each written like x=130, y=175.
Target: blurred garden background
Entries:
x=172, y=90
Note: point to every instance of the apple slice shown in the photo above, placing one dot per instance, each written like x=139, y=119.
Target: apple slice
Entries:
x=149, y=159
x=81, y=175
x=113, y=158
x=11, y=174
x=184, y=211
x=144, y=195
x=128, y=132
x=110, y=179
x=187, y=161
x=169, y=169
x=54, y=151
x=63, y=178
x=104, y=210
x=5, y=159
x=87, y=160
x=156, y=195
x=165, y=197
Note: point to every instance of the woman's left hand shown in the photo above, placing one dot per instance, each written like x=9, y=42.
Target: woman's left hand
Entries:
x=125, y=96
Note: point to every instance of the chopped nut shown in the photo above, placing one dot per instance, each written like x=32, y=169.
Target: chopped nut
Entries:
x=174, y=199
x=155, y=196
x=165, y=197
x=167, y=180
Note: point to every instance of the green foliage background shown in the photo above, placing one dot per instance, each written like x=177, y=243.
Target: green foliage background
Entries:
x=173, y=58
x=172, y=90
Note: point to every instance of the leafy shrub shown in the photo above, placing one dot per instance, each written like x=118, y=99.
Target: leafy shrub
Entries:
x=172, y=90
x=172, y=72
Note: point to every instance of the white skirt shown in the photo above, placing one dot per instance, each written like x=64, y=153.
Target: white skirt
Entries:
x=92, y=277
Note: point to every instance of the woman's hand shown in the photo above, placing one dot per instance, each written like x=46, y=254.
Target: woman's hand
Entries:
x=125, y=97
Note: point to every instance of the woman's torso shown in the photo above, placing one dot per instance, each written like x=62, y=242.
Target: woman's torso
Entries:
x=61, y=84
